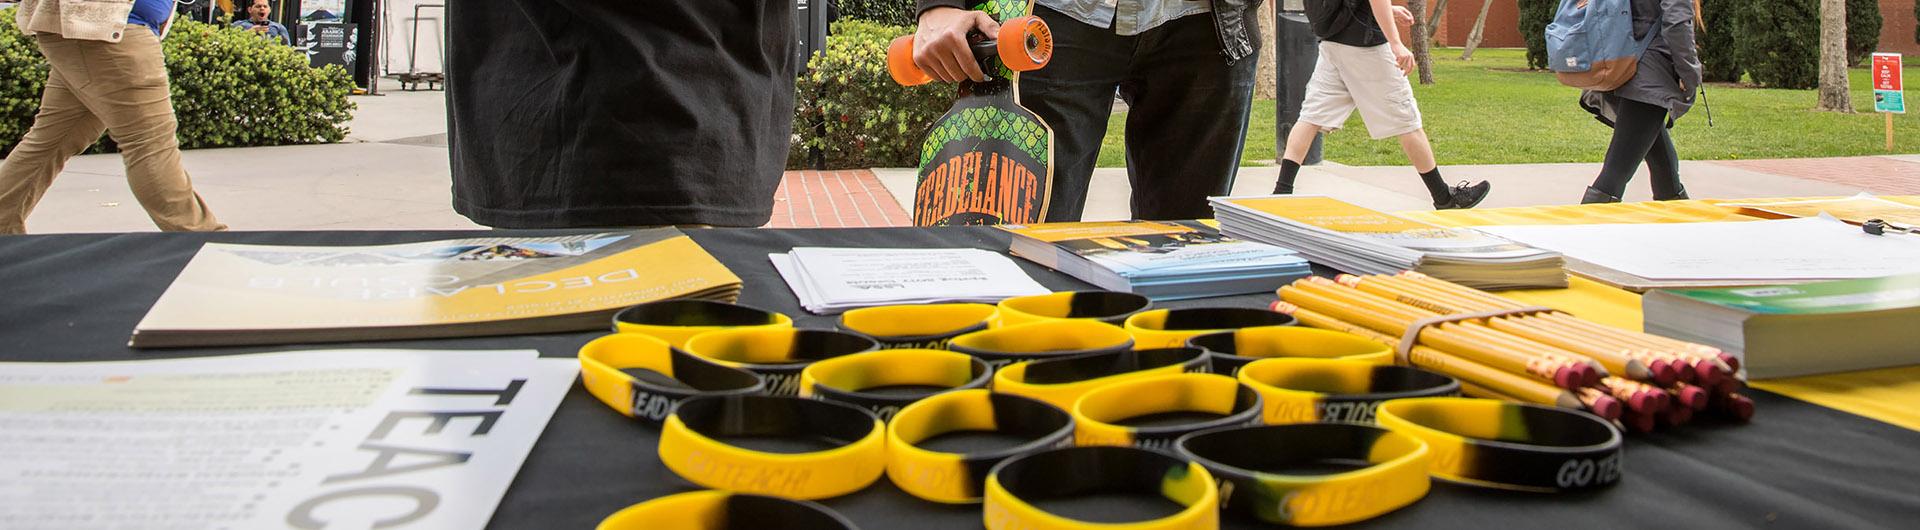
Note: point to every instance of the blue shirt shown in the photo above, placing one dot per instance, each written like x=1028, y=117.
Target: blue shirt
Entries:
x=151, y=13
x=274, y=30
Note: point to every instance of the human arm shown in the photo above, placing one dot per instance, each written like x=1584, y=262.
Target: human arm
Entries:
x=1383, y=15
x=1676, y=27
x=940, y=44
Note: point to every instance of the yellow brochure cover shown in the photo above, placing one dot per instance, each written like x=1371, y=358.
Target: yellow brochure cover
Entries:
x=261, y=294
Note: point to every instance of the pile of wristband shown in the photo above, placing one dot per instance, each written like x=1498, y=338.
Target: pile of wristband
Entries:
x=1227, y=412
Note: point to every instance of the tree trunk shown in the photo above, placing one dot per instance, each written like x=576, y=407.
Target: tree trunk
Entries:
x=1833, y=57
x=1479, y=30
x=1433, y=21
x=1423, y=54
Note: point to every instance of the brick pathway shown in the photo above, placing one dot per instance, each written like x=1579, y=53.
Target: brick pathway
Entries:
x=834, y=199
x=1878, y=174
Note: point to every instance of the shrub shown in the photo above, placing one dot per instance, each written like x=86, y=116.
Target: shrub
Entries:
x=889, y=12
x=1719, y=58
x=868, y=120
x=1779, y=41
x=1534, y=17
x=230, y=89
x=1863, y=30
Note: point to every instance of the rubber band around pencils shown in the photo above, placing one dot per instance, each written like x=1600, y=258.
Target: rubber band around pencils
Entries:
x=1411, y=338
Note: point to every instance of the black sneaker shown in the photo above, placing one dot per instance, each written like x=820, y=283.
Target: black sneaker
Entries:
x=1465, y=196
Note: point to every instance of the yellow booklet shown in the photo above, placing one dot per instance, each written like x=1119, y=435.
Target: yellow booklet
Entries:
x=264, y=294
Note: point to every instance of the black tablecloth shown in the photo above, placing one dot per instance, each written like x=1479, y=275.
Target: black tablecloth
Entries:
x=1797, y=465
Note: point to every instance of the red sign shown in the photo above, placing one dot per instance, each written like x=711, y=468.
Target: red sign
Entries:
x=1886, y=71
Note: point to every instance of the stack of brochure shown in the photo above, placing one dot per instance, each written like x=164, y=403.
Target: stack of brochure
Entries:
x=1160, y=260
x=1362, y=241
x=1804, y=329
x=833, y=280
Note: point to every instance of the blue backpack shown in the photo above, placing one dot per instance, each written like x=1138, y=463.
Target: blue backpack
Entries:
x=1590, y=44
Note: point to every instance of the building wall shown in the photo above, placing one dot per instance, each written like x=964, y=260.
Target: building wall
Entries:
x=1896, y=27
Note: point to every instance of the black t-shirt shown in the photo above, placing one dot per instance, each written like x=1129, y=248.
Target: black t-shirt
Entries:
x=1348, y=22
x=567, y=114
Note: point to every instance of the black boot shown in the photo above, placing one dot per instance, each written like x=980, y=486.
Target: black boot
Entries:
x=1679, y=194
x=1464, y=196
x=1597, y=196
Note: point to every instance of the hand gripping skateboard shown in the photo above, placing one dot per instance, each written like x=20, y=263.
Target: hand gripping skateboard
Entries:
x=988, y=160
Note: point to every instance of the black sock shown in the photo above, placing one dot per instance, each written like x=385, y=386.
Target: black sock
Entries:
x=1436, y=186
x=1288, y=170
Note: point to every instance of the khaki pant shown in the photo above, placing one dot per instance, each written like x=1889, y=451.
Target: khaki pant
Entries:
x=120, y=88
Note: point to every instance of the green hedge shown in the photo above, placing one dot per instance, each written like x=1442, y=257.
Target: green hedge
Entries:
x=230, y=89
x=867, y=119
x=1779, y=41
x=888, y=12
x=1863, y=30
x=1719, y=57
x=1534, y=17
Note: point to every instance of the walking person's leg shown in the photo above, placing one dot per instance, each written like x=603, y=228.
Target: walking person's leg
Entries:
x=1187, y=121
x=62, y=128
x=1663, y=166
x=128, y=91
x=1636, y=126
x=1324, y=108
x=1074, y=96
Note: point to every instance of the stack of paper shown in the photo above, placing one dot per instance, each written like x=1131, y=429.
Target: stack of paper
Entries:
x=1362, y=241
x=1793, y=330
x=1162, y=260
x=834, y=280
x=1678, y=255
x=340, y=439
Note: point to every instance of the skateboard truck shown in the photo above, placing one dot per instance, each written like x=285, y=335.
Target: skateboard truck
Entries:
x=1023, y=44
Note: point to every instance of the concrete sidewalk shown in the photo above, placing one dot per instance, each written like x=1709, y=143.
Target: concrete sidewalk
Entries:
x=392, y=174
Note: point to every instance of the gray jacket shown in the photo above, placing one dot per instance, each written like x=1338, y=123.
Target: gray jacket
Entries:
x=1669, y=72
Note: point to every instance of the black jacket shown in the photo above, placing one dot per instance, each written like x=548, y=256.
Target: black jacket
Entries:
x=1348, y=22
x=1231, y=22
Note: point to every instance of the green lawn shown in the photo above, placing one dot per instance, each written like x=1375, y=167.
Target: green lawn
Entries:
x=1492, y=111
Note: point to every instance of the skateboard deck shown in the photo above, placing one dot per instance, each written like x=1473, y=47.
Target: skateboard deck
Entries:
x=988, y=160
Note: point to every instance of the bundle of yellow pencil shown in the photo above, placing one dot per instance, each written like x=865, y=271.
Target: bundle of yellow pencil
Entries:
x=1552, y=358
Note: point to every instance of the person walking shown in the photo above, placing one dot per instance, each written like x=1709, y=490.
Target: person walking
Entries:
x=1643, y=110
x=1364, y=66
x=1184, y=67
x=106, y=74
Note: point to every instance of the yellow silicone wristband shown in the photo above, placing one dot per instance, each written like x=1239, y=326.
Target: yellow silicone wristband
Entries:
x=1103, y=369
x=1232, y=350
x=957, y=478
x=777, y=355
x=602, y=360
x=1170, y=328
x=1252, y=465
x=1517, y=446
x=1060, y=472
x=1103, y=306
x=1039, y=340
x=689, y=447
x=677, y=321
x=1097, y=414
x=928, y=326
x=845, y=379
x=720, y=510
x=1296, y=390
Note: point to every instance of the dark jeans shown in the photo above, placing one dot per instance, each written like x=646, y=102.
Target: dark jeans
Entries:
x=1188, y=117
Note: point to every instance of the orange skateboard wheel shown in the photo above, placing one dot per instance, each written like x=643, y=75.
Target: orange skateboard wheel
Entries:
x=1026, y=43
x=900, y=63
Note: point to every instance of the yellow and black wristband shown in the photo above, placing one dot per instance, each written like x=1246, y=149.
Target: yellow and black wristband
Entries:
x=928, y=327
x=1170, y=328
x=1311, y=390
x=1103, y=306
x=677, y=321
x=884, y=381
x=1081, y=471
x=643, y=377
x=1516, y=446
x=1275, y=474
x=777, y=355
x=1060, y=382
x=1042, y=340
x=720, y=510
x=1100, y=415
x=690, y=446
x=1232, y=350
x=957, y=478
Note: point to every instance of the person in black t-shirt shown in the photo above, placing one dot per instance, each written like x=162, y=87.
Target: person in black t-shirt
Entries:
x=1364, y=66
x=615, y=113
